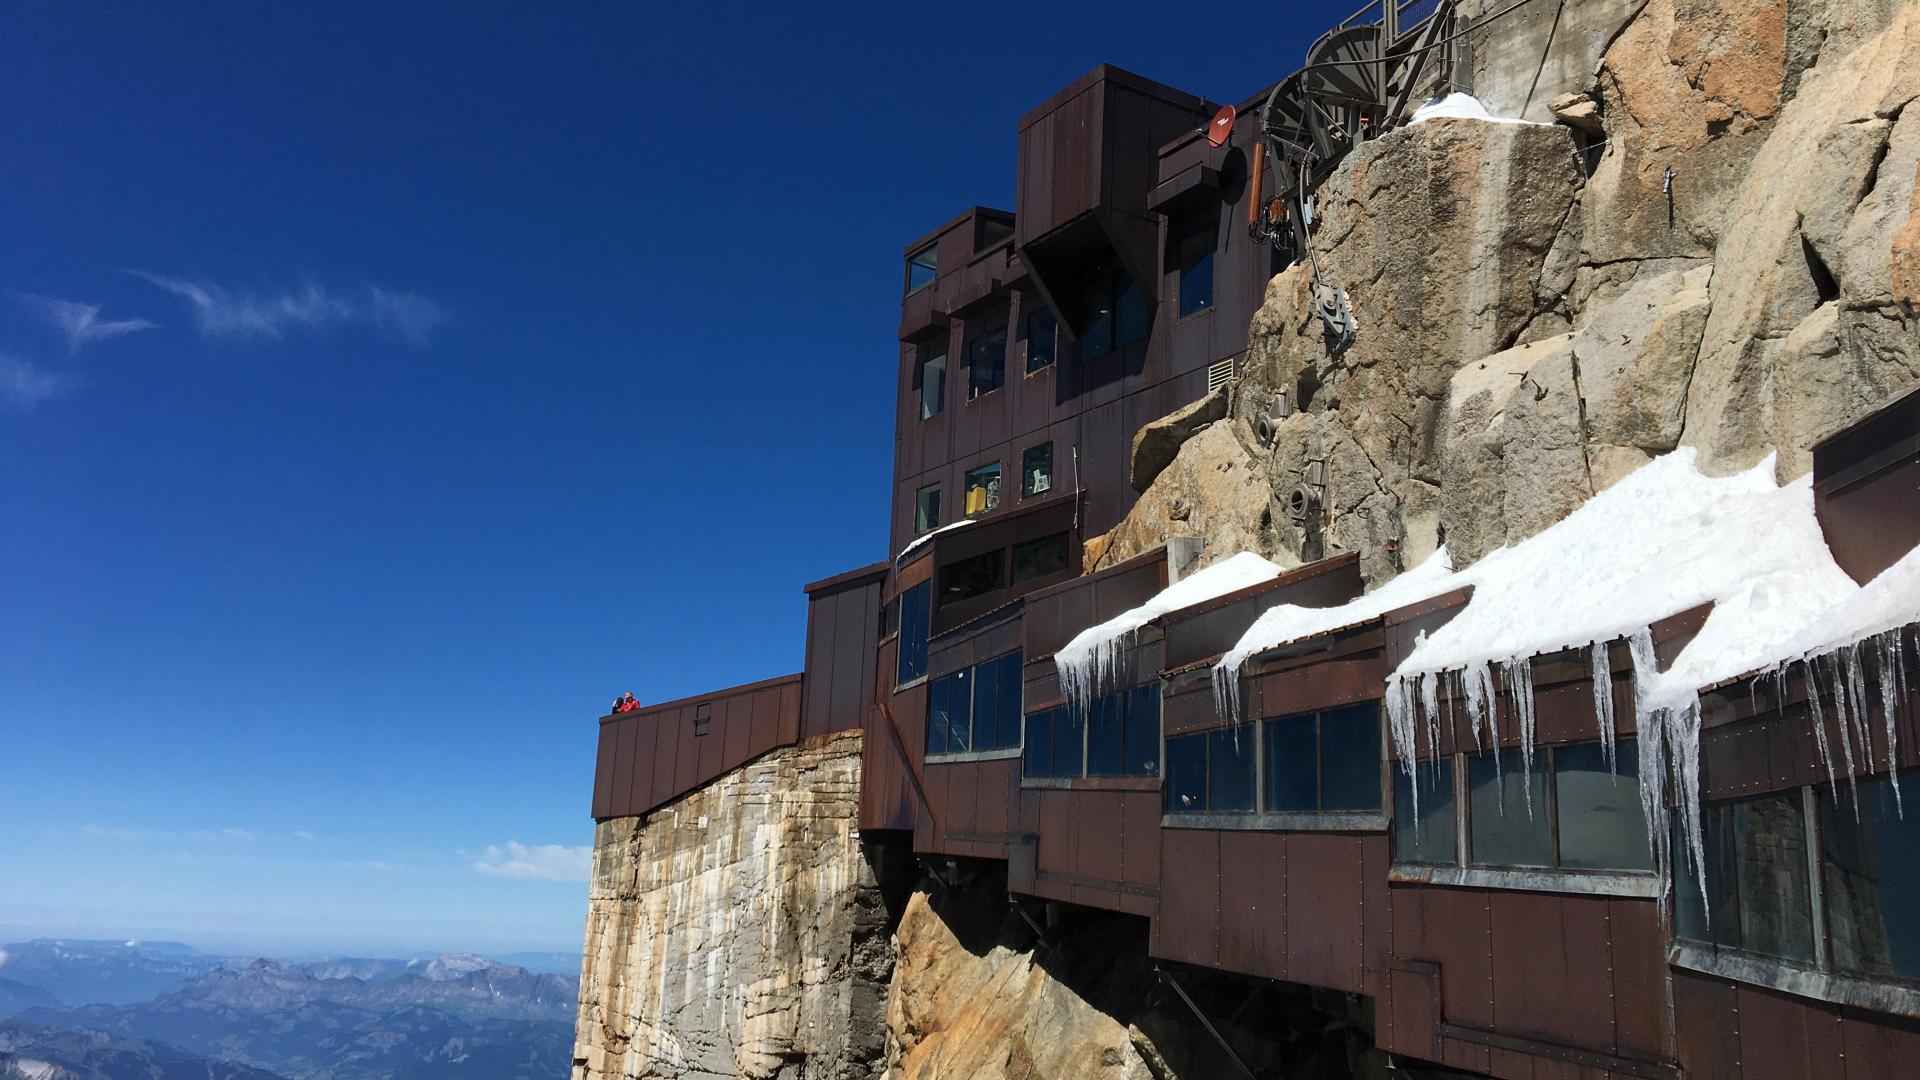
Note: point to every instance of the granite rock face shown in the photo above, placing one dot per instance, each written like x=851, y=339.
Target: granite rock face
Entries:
x=738, y=932
x=1717, y=247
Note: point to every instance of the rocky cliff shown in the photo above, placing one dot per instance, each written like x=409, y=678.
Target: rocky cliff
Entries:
x=738, y=932
x=1717, y=247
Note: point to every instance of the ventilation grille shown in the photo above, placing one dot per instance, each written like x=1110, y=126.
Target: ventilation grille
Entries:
x=1218, y=374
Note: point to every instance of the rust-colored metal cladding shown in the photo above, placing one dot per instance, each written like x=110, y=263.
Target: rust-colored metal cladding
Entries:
x=661, y=752
x=843, y=626
x=1866, y=488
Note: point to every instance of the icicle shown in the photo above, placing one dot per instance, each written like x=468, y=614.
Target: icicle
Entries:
x=1226, y=690
x=1891, y=694
x=1521, y=673
x=1819, y=728
x=1603, y=701
x=1430, y=705
x=1482, y=705
x=1669, y=750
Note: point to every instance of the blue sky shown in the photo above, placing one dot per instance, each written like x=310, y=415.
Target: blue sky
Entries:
x=453, y=369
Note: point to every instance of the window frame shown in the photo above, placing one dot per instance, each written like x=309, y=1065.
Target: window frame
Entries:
x=1822, y=978
x=931, y=253
x=1464, y=872
x=1026, y=470
x=983, y=332
x=931, y=522
x=1188, y=229
x=1086, y=776
x=995, y=492
x=926, y=355
x=905, y=634
x=1053, y=344
x=1013, y=660
x=1261, y=818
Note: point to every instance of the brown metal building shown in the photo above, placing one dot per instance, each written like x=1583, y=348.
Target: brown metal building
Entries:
x=1515, y=925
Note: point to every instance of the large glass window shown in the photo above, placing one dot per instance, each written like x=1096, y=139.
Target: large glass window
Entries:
x=922, y=267
x=1113, y=309
x=1507, y=806
x=1056, y=743
x=1871, y=868
x=915, y=612
x=976, y=708
x=1757, y=891
x=1120, y=736
x=1212, y=772
x=1043, y=338
x=983, y=488
x=933, y=381
x=1192, y=252
x=1597, y=808
x=1325, y=761
x=975, y=575
x=987, y=356
x=926, y=508
x=1427, y=838
x=1036, y=469
x=1041, y=558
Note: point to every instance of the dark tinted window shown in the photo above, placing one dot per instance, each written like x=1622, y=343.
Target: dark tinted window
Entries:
x=1143, y=731
x=987, y=357
x=1230, y=769
x=933, y=382
x=1038, y=558
x=1069, y=741
x=1039, y=752
x=996, y=702
x=926, y=508
x=1187, y=774
x=1292, y=764
x=1756, y=874
x=1036, y=469
x=1601, y=824
x=949, y=704
x=973, y=576
x=1107, y=736
x=1506, y=829
x=914, y=612
x=1429, y=837
x=1350, y=758
x=1131, y=318
x=1096, y=313
x=1872, y=872
x=1193, y=258
x=1042, y=338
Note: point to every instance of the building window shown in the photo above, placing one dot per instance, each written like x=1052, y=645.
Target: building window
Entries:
x=1036, y=470
x=949, y=713
x=1043, y=338
x=983, y=489
x=975, y=575
x=1507, y=808
x=1123, y=733
x=991, y=231
x=914, y=622
x=1192, y=250
x=926, y=508
x=1429, y=837
x=922, y=268
x=1056, y=743
x=1114, y=309
x=1512, y=813
x=987, y=356
x=702, y=718
x=1041, y=558
x=1871, y=871
x=933, y=381
x=1758, y=892
x=1324, y=762
x=1212, y=772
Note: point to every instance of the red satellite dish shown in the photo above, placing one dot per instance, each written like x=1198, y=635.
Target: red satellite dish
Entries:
x=1221, y=129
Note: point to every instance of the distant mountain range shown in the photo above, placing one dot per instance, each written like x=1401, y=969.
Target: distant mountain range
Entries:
x=456, y=1015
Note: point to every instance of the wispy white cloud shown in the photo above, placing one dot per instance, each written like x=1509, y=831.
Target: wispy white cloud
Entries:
x=25, y=385
x=549, y=862
x=302, y=834
x=80, y=323
x=222, y=312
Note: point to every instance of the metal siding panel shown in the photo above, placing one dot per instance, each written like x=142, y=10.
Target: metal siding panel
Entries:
x=991, y=809
x=677, y=724
x=1249, y=915
x=1323, y=910
x=1587, y=1017
x=762, y=724
x=1187, y=928
x=1140, y=838
x=1773, y=1037
x=1097, y=842
x=666, y=765
x=738, y=744
x=606, y=749
x=821, y=669
x=963, y=800
x=788, y=699
x=1056, y=852
x=1638, y=951
x=1707, y=1027
x=1530, y=988
x=1376, y=912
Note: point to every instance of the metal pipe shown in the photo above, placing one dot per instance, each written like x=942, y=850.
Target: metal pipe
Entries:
x=1204, y=1022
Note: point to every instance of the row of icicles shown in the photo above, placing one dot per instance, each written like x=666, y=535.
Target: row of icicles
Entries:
x=1668, y=737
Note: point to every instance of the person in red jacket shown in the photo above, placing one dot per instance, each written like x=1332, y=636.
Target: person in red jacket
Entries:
x=628, y=704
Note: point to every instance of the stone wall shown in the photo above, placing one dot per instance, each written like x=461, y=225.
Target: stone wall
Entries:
x=738, y=932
